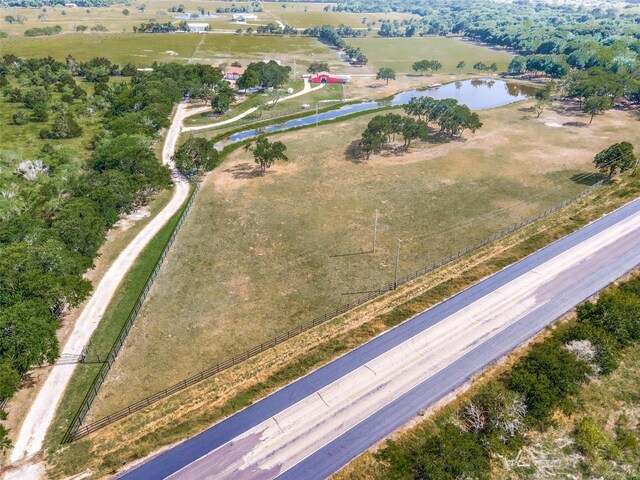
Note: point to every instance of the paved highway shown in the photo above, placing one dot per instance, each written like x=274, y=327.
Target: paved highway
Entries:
x=317, y=424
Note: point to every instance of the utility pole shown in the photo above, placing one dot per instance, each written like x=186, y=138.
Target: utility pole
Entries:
x=395, y=273
x=375, y=230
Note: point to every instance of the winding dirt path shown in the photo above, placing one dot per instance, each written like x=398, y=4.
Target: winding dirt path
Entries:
x=38, y=420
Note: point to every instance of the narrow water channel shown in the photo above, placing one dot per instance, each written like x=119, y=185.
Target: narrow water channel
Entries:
x=477, y=94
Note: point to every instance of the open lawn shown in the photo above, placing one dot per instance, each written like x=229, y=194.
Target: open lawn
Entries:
x=401, y=53
x=260, y=254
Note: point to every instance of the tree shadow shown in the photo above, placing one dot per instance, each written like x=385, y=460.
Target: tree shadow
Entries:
x=353, y=152
x=582, y=179
x=575, y=124
x=245, y=171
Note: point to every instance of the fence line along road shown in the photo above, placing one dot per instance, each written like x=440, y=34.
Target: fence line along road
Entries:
x=92, y=393
x=78, y=430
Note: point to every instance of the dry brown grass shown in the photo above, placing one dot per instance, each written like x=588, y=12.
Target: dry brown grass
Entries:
x=190, y=411
x=270, y=252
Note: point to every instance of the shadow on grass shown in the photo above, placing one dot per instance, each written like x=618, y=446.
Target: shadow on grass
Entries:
x=582, y=179
x=245, y=171
x=354, y=153
x=575, y=124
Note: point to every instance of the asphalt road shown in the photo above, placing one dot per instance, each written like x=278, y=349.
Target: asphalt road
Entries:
x=317, y=424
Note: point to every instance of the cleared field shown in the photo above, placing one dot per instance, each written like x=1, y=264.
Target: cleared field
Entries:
x=221, y=48
x=401, y=53
x=260, y=254
x=303, y=15
x=112, y=17
x=138, y=48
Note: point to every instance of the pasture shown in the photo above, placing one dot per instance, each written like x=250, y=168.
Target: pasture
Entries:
x=260, y=254
x=401, y=53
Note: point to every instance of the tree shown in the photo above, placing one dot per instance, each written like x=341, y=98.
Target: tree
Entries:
x=544, y=98
x=265, y=75
x=223, y=97
x=596, y=105
x=461, y=64
x=265, y=153
x=372, y=142
x=317, y=67
x=517, y=66
x=435, y=65
x=457, y=119
x=421, y=66
x=480, y=66
x=413, y=129
x=80, y=226
x=64, y=126
x=386, y=73
x=615, y=159
x=196, y=154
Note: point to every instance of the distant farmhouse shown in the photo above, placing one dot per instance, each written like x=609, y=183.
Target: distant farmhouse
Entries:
x=326, y=77
x=198, y=27
x=233, y=73
x=243, y=17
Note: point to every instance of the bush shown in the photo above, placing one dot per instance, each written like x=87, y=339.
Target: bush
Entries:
x=546, y=377
x=19, y=118
x=64, y=126
x=593, y=441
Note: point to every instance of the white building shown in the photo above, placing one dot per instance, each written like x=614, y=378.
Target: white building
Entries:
x=244, y=17
x=198, y=27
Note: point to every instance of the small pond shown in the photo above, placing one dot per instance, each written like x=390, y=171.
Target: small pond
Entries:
x=477, y=94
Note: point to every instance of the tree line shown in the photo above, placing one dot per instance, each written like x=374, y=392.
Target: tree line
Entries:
x=56, y=210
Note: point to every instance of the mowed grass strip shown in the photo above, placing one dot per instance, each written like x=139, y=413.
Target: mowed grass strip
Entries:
x=261, y=254
x=196, y=408
x=105, y=335
x=401, y=53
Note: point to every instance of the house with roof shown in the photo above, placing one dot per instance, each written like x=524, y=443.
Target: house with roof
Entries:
x=198, y=27
x=326, y=77
x=233, y=73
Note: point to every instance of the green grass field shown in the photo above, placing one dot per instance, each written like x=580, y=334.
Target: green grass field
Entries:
x=271, y=252
x=140, y=49
x=401, y=53
x=303, y=15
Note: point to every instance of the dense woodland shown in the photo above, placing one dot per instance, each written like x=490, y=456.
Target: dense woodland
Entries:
x=54, y=208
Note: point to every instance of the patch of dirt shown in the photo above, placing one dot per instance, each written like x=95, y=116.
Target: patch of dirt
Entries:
x=126, y=222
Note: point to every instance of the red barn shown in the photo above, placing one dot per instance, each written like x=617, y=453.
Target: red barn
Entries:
x=326, y=77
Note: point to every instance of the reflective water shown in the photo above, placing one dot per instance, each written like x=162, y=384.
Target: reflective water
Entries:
x=477, y=94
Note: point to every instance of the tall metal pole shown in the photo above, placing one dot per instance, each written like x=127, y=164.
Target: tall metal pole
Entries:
x=395, y=273
x=375, y=230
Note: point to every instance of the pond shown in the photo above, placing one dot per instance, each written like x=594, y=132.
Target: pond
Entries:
x=477, y=94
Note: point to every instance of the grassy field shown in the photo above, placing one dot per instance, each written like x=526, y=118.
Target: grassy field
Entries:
x=273, y=251
x=401, y=53
x=218, y=49
x=298, y=15
x=190, y=411
x=140, y=49
x=303, y=15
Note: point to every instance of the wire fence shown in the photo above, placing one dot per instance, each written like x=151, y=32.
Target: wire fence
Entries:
x=78, y=430
x=117, y=345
